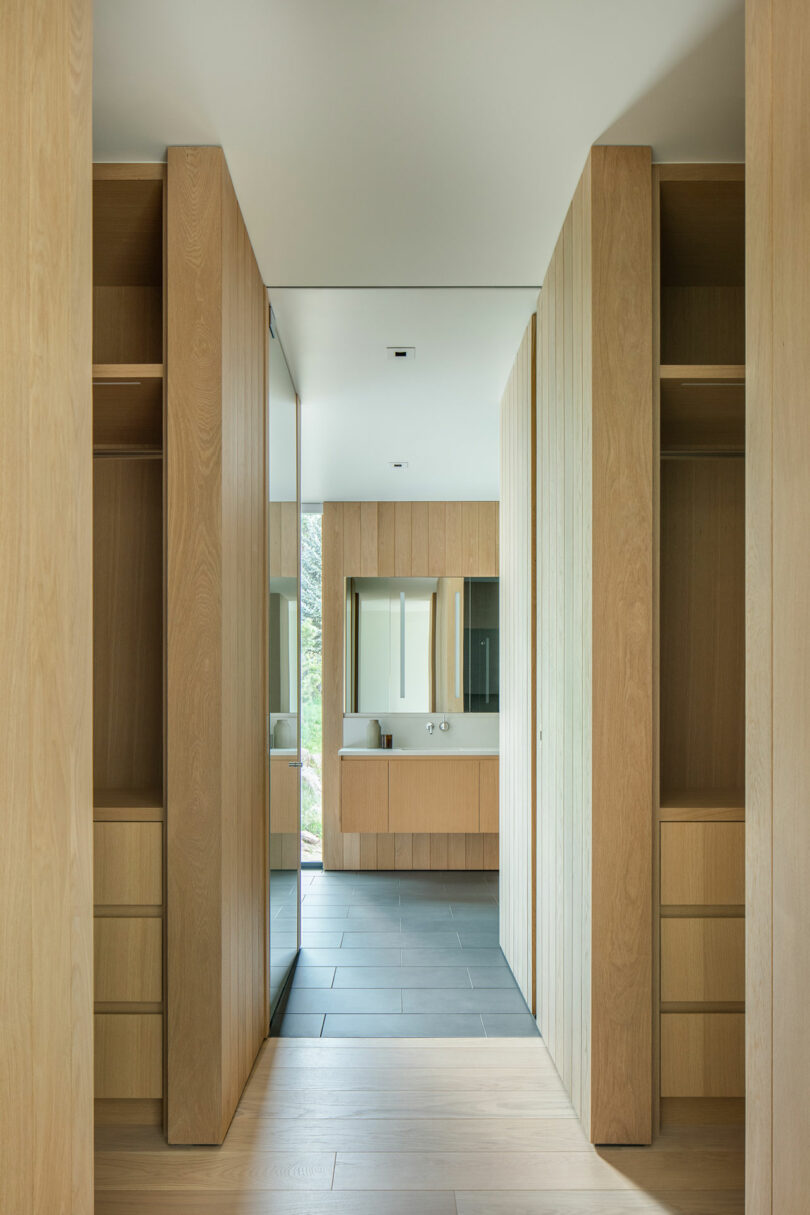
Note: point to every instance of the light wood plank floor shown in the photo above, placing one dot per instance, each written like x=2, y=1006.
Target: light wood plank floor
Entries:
x=414, y=1127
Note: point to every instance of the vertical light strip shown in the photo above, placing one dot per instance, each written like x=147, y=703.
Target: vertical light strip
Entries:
x=402, y=645
x=458, y=644
x=486, y=670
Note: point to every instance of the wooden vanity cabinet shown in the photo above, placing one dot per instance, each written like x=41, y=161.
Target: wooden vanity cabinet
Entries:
x=425, y=795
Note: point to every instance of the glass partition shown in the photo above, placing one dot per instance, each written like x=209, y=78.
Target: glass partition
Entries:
x=283, y=669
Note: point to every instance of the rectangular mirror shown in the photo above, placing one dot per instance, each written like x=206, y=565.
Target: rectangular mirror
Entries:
x=422, y=645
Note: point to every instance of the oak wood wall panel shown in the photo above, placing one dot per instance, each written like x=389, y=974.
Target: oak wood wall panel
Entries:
x=518, y=641
x=777, y=595
x=594, y=651
x=46, y=1009
x=398, y=539
x=216, y=555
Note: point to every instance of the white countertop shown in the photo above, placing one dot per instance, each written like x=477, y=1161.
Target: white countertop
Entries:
x=437, y=752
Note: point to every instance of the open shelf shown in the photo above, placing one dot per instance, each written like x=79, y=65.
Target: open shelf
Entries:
x=128, y=409
x=702, y=410
x=703, y=805
x=128, y=805
x=127, y=269
x=703, y=272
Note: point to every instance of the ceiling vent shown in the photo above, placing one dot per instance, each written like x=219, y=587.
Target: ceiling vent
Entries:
x=401, y=352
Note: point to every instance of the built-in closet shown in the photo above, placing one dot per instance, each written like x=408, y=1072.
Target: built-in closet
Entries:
x=128, y=616
x=699, y=333
x=180, y=332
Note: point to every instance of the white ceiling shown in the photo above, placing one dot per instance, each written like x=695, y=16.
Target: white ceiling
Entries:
x=362, y=410
x=411, y=142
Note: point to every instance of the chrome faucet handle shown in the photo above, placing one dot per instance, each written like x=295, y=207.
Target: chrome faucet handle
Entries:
x=429, y=726
x=444, y=725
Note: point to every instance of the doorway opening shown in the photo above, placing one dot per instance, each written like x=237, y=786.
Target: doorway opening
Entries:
x=311, y=687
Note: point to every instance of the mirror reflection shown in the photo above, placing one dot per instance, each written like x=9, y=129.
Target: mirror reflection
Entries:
x=422, y=645
x=282, y=668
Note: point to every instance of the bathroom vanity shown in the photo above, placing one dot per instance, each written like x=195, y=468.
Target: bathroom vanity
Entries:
x=452, y=791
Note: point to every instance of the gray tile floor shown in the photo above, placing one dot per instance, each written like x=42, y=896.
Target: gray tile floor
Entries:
x=402, y=955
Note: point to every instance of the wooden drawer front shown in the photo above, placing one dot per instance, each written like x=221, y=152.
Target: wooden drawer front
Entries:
x=703, y=1054
x=364, y=795
x=129, y=1054
x=703, y=863
x=702, y=959
x=433, y=795
x=128, y=956
x=284, y=812
x=489, y=796
x=128, y=864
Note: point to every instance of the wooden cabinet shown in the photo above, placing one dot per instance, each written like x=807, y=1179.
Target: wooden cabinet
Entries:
x=703, y=864
x=129, y=1055
x=700, y=336
x=702, y=1054
x=427, y=795
x=128, y=959
x=284, y=812
x=128, y=635
x=422, y=795
x=128, y=864
x=703, y=960
x=364, y=795
x=489, y=796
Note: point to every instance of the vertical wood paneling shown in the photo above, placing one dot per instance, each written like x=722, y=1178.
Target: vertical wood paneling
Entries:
x=46, y=1060
x=778, y=590
x=469, y=540
x=517, y=641
x=368, y=539
x=216, y=552
x=419, y=540
x=392, y=539
x=386, y=539
x=352, y=538
x=761, y=281
x=594, y=618
x=436, y=533
x=454, y=535
x=402, y=539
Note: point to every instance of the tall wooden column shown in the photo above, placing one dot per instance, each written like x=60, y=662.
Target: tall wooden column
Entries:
x=46, y=512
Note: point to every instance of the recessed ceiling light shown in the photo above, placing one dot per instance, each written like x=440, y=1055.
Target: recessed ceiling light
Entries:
x=401, y=352
x=397, y=464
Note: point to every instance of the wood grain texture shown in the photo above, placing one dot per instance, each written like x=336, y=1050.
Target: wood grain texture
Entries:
x=128, y=959
x=518, y=642
x=46, y=609
x=128, y=863
x=778, y=507
x=488, y=796
x=702, y=959
x=594, y=610
x=426, y=795
x=478, y=1127
x=364, y=795
x=702, y=1054
x=127, y=624
x=128, y=1055
x=216, y=553
x=398, y=539
x=702, y=624
x=703, y=863
x=763, y=277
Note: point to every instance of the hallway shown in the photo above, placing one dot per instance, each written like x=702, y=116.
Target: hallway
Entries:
x=435, y=1127
x=401, y=955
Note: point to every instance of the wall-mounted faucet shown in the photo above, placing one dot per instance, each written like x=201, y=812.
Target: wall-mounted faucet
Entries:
x=429, y=726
